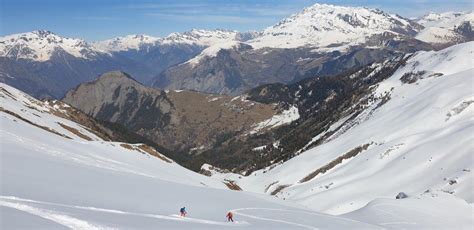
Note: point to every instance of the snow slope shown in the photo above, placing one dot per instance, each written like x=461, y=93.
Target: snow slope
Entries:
x=420, y=139
x=202, y=37
x=446, y=19
x=214, y=49
x=440, y=28
x=418, y=212
x=52, y=178
x=129, y=42
x=321, y=25
x=40, y=45
x=285, y=117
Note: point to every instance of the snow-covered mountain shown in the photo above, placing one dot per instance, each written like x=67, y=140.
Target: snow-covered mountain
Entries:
x=196, y=37
x=214, y=49
x=414, y=135
x=168, y=117
x=56, y=173
x=41, y=45
x=446, y=19
x=129, y=42
x=322, y=25
x=206, y=37
x=448, y=27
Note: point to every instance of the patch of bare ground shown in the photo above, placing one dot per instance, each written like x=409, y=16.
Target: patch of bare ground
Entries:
x=279, y=189
x=8, y=94
x=127, y=146
x=75, y=131
x=31, y=123
x=352, y=153
x=146, y=149
x=67, y=112
x=154, y=153
x=232, y=185
x=270, y=185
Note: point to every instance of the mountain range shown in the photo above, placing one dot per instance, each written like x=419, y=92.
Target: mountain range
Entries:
x=334, y=118
x=307, y=44
x=387, y=145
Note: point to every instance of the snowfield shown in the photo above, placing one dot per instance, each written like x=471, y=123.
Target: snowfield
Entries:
x=419, y=142
x=40, y=45
x=416, y=136
x=439, y=28
x=129, y=42
x=285, y=117
x=52, y=178
x=322, y=25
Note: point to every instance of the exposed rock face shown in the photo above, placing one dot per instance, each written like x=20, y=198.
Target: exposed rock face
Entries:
x=235, y=70
x=320, y=101
x=178, y=120
x=320, y=40
x=401, y=195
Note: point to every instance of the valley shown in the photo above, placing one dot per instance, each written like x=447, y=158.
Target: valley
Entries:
x=336, y=117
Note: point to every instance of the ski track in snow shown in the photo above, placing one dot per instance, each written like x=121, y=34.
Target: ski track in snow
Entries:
x=236, y=211
x=391, y=214
x=74, y=223
x=64, y=220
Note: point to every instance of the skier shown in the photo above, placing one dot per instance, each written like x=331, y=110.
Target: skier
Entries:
x=183, y=212
x=229, y=216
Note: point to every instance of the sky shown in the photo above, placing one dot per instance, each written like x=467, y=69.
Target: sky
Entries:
x=94, y=20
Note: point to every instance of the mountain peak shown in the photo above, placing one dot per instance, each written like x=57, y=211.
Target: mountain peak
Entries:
x=116, y=75
x=41, y=45
x=128, y=42
x=446, y=19
x=202, y=37
x=43, y=33
x=445, y=28
x=321, y=25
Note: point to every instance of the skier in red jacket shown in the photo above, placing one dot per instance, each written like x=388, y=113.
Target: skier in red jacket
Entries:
x=229, y=216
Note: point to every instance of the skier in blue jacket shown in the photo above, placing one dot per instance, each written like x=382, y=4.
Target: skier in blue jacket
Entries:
x=183, y=212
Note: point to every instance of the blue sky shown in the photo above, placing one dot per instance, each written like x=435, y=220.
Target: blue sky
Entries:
x=102, y=19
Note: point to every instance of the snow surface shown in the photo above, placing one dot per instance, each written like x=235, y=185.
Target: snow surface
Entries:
x=411, y=213
x=439, y=28
x=201, y=37
x=213, y=50
x=321, y=25
x=49, y=181
x=40, y=45
x=446, y=19
x=285, y=117
x=420, y=139
x=129, y=42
